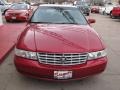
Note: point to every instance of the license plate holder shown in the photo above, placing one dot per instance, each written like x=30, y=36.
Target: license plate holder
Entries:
x=61, y=75
x=13, y=17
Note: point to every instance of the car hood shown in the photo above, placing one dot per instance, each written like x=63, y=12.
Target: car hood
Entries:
x=66, y=38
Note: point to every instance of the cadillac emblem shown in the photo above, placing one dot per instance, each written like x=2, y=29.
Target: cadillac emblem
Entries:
x=63, y=59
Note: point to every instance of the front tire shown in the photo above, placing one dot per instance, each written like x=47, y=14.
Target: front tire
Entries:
x=88, y=14
x=7, y=20
x=103, y=12
x=112, y=15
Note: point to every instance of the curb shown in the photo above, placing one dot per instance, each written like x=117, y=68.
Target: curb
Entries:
x=6, y=54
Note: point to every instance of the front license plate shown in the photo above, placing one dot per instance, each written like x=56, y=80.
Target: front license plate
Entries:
x=62, y=74
x=13, y=17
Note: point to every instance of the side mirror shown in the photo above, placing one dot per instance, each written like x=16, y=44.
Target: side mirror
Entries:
x=91, y=21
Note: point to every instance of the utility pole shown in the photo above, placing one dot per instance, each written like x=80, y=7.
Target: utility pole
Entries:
x=92, y=2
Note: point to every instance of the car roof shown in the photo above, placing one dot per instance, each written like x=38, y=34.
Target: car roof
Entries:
x=20, y=4
x=57, y=5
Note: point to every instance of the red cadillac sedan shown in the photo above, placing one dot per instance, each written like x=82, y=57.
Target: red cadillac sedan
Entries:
x=18, y=12
x=59, y=44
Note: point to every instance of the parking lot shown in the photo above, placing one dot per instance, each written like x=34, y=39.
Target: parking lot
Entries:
x=109, y=29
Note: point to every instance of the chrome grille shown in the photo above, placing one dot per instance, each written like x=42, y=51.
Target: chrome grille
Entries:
x=62, y=59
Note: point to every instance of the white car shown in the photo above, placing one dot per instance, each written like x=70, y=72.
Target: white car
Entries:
x=102, y=10
x=109, y=7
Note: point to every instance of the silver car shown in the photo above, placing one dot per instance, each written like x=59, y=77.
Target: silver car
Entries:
x=4, y=6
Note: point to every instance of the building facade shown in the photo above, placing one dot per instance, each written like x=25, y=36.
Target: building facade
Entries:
x=91, y=1
x=13, y=1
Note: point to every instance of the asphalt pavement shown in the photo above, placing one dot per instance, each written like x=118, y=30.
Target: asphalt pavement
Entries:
x=109, y=30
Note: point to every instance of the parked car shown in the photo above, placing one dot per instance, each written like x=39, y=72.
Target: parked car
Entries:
x=18, y=12
x=102, y=10
x=115, y=12
x=67, y=3
x=59, y=44
x=4, y=6
x=108, y=8
x=95, y=9
x=83, y=6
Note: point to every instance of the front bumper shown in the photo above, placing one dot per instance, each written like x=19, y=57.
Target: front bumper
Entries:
x=116, y=14
x=95, y=10
x=16, y=18
x=41, y=71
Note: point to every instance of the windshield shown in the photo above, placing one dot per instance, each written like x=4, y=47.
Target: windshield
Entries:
x=58, y=15
x=19, y=6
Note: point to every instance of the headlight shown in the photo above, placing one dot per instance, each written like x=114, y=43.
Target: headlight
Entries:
x=95, y=55
x=7, y=14
x=26, y=54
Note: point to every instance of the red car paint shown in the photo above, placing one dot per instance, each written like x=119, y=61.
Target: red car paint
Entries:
x=59, y=38
x=51, y=38
x=46, y=72
x=18, y=15
x=95, y=9
x=116, y=11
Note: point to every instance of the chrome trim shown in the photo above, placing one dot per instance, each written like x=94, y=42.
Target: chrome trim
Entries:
x=62, y=59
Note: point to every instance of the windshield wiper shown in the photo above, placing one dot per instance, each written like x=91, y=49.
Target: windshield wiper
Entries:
x=70, y=18
x=44, y=22
x=69, y=23
x=53, y=23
